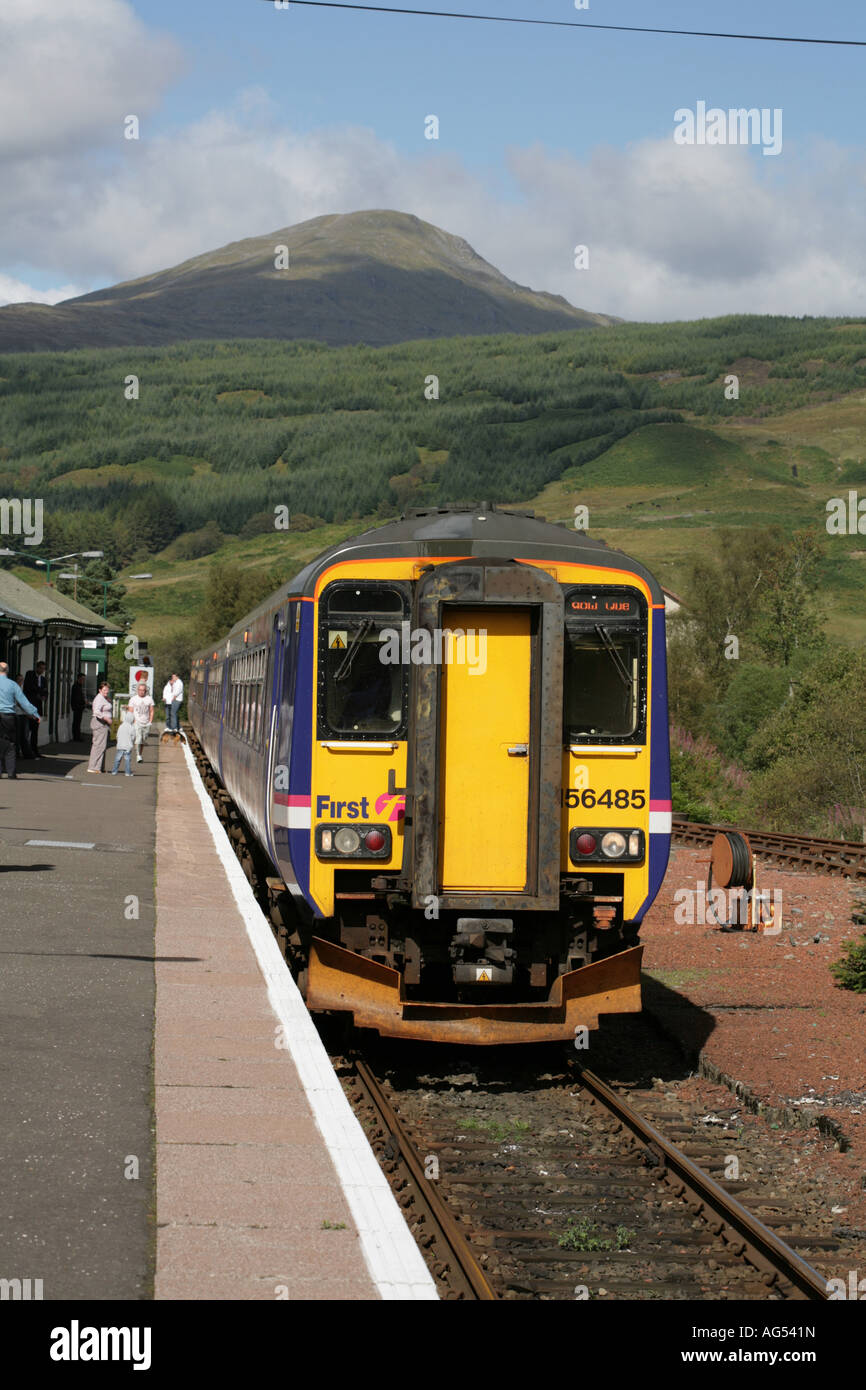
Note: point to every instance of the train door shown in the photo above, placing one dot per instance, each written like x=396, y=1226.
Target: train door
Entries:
x=485, y=736
x=485, y=764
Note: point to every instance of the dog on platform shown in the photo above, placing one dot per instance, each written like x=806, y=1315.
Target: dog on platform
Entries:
x=172, y=736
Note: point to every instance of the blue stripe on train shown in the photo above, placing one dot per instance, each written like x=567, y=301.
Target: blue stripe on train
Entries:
x=660, y=762
x=282, y=696
x=300, y=770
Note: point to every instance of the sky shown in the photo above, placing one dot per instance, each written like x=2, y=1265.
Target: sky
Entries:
x=253, y=118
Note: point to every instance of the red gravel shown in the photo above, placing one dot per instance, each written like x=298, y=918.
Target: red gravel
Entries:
x=767, y=1012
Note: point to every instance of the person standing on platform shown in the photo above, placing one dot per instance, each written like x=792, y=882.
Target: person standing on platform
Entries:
x=142, y=707
x=100, y=723
x=77, y=703
x=173, y=697
x=36, y=689
x=22, y=727
x=12, y=698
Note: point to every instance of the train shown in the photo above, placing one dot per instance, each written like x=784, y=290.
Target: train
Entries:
x=448, y=735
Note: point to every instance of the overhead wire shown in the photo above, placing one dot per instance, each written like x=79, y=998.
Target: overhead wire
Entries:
x=572, y=23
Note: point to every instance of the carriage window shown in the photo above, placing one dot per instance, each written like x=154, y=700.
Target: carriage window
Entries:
x=215, y=689
x=358, y=693
x=604, y=666
x=246, y=697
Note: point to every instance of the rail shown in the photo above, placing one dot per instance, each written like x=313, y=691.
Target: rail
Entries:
x=841, y=857
x=742, y=1232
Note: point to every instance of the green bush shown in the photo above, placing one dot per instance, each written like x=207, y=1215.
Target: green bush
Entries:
x=703, y=787
x=850, y=971
x=195, y=544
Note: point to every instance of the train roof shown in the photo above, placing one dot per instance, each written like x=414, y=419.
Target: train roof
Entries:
x=483, y=530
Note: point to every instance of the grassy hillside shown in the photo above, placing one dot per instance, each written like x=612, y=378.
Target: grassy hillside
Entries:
x=632, y=422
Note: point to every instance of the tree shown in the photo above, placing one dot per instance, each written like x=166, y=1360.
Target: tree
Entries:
x=93, y=593
x=231, y=593
x=723, y=593
x=789, y=620
x=811, y=753
x=195, y=544
x=173, y=653
x=754, y=693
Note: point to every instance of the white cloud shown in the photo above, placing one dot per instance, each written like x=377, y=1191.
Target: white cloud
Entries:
x=14, y=291
x=687, y=232
x=71, y=70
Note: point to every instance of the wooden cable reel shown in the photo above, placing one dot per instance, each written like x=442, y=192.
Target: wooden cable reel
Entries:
x=732, y=866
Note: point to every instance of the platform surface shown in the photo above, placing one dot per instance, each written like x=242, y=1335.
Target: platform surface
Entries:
x=249, y=1202
x=76, y=1022
x=136, y=964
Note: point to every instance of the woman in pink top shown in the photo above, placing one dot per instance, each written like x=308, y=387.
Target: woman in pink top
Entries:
x=100, y=723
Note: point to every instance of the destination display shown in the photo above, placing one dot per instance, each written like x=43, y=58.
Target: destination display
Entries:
x=601, y=605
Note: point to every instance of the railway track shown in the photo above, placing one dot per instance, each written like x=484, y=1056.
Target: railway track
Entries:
x=841, y=857
x=580, y=1196
x=602, y=1204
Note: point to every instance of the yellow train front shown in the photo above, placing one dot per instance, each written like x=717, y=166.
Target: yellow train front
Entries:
x=467, y=774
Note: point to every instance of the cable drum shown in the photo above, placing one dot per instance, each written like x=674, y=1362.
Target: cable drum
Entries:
x=731, y=860
x=731, y=866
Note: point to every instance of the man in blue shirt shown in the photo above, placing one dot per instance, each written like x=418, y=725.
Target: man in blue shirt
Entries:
x=12, y=698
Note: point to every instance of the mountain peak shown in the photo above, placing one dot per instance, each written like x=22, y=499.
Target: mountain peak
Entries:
x=376, y=277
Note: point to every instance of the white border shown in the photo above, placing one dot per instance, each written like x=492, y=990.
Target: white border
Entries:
x=395, y=1263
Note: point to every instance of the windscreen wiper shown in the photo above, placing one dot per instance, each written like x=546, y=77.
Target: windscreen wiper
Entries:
x=346, y=664
x=614, y=655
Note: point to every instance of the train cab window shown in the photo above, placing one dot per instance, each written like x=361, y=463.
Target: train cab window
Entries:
x=359, y=695
x=605, y=666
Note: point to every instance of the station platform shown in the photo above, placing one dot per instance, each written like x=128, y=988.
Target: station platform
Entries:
x=173, y=1126
x=76, y=1003
x=267, y=1187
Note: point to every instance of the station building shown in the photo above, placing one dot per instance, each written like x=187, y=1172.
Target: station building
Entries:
x=43, y=625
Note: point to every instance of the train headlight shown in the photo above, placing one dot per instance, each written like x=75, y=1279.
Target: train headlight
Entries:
x=353, y=842
x=598, y=845
x=347, y=840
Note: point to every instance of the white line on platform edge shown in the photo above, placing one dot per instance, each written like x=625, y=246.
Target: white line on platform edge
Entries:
x=393, y=1259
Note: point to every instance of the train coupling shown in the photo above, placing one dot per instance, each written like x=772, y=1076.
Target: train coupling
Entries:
x=480, y=951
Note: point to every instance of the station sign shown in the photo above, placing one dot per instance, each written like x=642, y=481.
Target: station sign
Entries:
x=140, y=673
